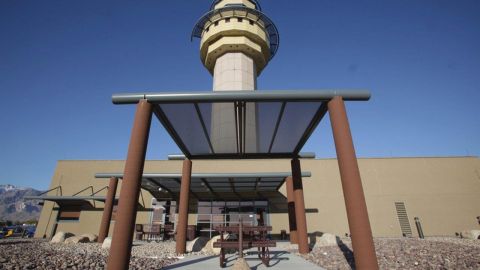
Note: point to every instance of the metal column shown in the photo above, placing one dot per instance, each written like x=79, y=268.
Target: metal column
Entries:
x=107, y=210
x=301, y=217
x=120, y=251
x=359, y=224
x=181, y=240
x=292, y=222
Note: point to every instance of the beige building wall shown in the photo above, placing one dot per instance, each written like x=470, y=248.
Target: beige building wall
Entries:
x=442, y=192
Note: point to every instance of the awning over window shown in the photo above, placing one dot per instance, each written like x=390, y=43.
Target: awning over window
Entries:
x=216, y=186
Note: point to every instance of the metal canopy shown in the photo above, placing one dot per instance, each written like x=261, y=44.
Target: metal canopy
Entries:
x=68, y=200
x=218, y=186
x=259, y=124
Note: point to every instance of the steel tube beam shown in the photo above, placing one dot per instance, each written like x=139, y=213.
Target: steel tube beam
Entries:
x=359, y=224
x=304, y=155
x=241, y=96
x=210, y=176
x=120, y=251
x=181, y=240
x=107, y=209
x=301, y=217
x=292, y=222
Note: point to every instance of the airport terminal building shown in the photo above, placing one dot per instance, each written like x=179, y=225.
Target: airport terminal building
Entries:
x=441, y=191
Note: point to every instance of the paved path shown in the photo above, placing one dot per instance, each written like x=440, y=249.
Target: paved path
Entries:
x=281, y=260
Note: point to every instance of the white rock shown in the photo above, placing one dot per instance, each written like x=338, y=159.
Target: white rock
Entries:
x=325, y=240
x=107, y=243
x=209, y=246
x=60, y=237
x=76, y=239
x=241, y=264
x=197, y=244
x=91, y=237
x=471, y=234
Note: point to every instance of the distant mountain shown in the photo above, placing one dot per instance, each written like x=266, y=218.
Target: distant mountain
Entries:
x=14, y=208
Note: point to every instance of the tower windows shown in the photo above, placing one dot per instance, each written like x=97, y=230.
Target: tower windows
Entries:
x=216, y=23
x=240, y=19
x=251, y=22
x=227, y=20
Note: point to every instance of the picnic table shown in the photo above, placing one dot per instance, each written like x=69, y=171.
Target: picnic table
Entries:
x=248, y=237
x=154, y=231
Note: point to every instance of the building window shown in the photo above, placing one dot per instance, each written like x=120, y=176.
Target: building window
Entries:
x=240, y=19
x=251, y=22
x=69, y=213
x=227, y=20
x=216, y=23
x=208, y=28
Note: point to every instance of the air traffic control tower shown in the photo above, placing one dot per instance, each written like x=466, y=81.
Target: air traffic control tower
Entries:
x=236, y=43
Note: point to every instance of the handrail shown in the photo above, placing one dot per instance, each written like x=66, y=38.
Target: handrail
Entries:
x=106, y=187
x=57, y=187
x=89, y=187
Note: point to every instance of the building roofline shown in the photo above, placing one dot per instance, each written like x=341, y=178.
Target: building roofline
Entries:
x=324, y=158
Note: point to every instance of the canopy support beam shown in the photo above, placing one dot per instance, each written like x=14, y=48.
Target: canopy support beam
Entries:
x=301, y=217
x=291, y=211
x=181, y=241
x=120, y=251
x=357, y=214
x=108, y=209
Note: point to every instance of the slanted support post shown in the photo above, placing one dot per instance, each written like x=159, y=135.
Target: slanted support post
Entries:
x=292, y=222
x=301, y=218
x=107, y=210
x=120, y=251
x=358, y=222
x=181, y=239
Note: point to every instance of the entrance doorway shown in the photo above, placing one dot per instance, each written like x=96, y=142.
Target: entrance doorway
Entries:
x=215, y=213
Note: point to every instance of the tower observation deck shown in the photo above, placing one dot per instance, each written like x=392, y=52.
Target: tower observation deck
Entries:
x=237, y=41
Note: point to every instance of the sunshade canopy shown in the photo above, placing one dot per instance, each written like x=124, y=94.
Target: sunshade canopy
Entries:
x=67, y=200
x=213, y=186
x=241, y=124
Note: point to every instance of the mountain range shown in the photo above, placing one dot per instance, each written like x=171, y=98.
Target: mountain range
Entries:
x=14, y=208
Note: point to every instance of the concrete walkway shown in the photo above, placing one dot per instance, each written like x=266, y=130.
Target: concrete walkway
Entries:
x=280, y=260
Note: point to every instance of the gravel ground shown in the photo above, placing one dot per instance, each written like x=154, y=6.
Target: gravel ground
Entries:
x=39, y=254
x=404, y=253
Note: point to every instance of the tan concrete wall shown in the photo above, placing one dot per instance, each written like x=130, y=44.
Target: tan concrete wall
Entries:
x=443, y=192
x=76, y=175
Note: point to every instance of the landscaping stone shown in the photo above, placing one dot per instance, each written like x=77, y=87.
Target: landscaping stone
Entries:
x=471, y=234
x=76, y=240
x=60, y=237
x=197, y=244
x=404, y=253
x=241, y=264
x=39, y=254
x=107, y=242
x=209, y=246
x=91, y=237
x=325, y=240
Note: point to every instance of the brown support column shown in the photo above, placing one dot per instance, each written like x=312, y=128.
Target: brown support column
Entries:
x=301, y=218
x=361, y=233
x=120, y=251
x=107, y=210
x=181, y=242
x=292, y=222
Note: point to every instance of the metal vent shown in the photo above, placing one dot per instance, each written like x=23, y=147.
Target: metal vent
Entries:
x=403, y=219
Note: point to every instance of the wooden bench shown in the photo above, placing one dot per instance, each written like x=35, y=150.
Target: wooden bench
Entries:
x=248, y=237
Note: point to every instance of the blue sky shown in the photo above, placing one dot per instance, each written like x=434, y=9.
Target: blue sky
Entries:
x=60, y=62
